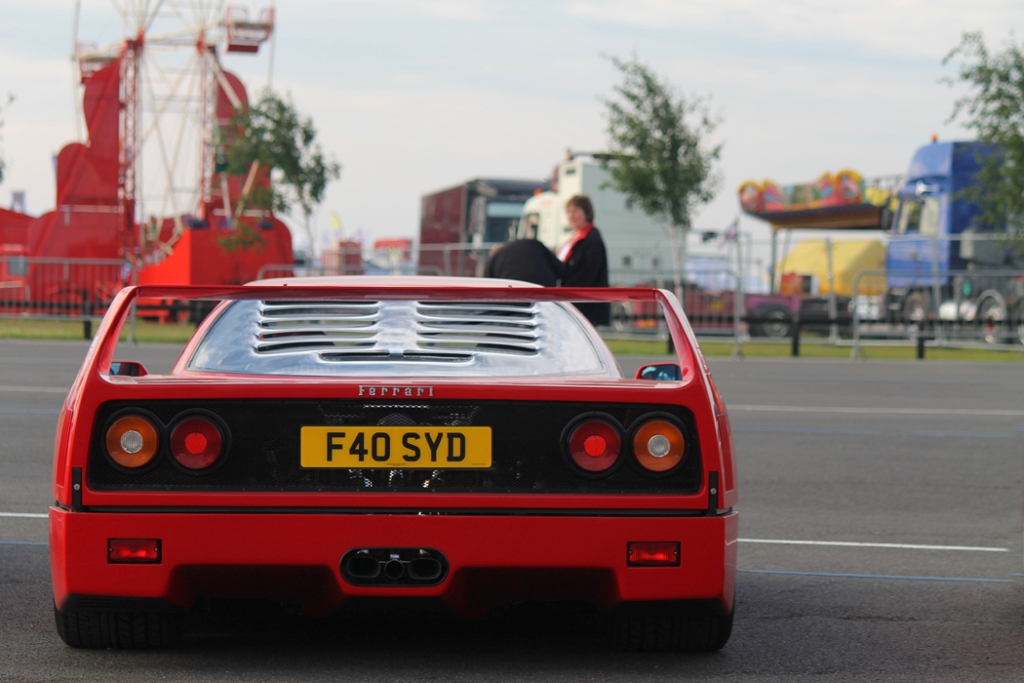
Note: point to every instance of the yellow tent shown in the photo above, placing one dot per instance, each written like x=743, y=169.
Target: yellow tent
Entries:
x=848, y=258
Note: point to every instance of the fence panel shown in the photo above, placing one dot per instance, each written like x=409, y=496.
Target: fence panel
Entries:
x=66, y=289
x=948, y=307
x=712, y=310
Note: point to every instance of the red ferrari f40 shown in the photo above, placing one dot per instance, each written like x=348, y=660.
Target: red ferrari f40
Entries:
x=470, y=442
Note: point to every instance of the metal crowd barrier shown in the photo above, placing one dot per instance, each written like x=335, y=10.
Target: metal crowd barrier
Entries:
x=976, y=308
x=61, y=289
x=464, y=259
x=291, y=270
x=712, y=311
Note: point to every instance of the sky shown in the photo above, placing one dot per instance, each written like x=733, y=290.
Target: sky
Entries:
x=412, y=96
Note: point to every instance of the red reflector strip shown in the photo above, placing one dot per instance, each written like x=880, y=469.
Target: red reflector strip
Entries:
x=133, y=551
x=653, y=554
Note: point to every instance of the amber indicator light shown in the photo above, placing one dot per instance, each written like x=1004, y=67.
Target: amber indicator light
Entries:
x=652, y=554
x=133, y=551
x=132, y=441
x=658, y=445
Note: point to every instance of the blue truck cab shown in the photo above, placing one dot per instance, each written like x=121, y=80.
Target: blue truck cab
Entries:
x=931, y=210
x=940, y=263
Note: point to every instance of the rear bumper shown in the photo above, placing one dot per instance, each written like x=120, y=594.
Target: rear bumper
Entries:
x=295, y=557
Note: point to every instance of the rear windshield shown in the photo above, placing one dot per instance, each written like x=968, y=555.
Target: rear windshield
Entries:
x=400, y=339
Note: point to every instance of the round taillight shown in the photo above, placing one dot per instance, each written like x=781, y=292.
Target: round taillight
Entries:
x=659, y=445
x=595, y=445
x=132, y=441
x=196, y=443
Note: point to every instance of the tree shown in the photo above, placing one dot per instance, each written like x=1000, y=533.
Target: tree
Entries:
x=994, y=109
x=660, y=155
x=274, y=135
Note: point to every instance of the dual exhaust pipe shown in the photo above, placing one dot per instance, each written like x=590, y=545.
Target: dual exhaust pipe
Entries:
x=394, y=567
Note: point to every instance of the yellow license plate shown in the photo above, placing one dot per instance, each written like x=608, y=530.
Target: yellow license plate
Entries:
x=433, y=448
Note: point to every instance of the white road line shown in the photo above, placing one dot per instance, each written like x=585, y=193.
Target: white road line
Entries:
x=33, y=515
x=872, y=411
x=33, y=390
x=904, y=546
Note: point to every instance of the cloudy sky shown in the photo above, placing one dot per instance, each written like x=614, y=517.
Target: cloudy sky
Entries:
x=416, y=95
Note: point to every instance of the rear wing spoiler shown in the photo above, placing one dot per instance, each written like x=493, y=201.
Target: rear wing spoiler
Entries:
x=288, y=292
x=101, y=353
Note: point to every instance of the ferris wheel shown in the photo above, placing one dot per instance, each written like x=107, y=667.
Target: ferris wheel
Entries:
x=172, y=89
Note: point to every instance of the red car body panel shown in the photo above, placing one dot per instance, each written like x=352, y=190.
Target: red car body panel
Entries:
x=297, y=555
x=287, y=545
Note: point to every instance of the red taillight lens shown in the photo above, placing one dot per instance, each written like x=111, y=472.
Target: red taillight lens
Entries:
x=196, y=443
x=133, y=551
x=659, y=445
x=652, y=554
x=132, y=441
x=595, y=445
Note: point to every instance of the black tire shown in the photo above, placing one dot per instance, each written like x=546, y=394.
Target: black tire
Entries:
x=991, y=318
x=917, y=308
x=1017, y=324
x=658, y=628
x=119, y=629
x=771, y=320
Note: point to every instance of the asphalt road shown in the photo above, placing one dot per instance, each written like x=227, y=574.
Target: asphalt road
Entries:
x=846, y=470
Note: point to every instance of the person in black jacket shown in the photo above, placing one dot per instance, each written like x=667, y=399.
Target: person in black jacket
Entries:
x=584, y=256
x=525, y=259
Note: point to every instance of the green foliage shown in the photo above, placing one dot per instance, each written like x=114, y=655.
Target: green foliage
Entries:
x=994, y=109
x=273, y=133
x=658, y=142
x=242, y=238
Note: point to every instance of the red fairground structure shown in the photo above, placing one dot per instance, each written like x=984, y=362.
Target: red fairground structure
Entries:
x=148, y=183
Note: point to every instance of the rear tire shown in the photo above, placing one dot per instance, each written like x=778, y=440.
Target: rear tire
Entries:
x=917, y=309
x=1017, y=323
x=119, y=629
x=668, y=628
x=991, y=318
x=772, y=320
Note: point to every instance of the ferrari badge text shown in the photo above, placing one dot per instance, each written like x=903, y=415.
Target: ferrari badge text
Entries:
x=396, y=392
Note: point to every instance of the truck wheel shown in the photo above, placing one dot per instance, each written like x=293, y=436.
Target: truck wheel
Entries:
x=917, y=308
x=1017, y=323
x=119, y=629
x=773, y=320
x=668, y=628
x=990, y=318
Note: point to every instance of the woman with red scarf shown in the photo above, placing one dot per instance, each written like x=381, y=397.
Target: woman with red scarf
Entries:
x=584, y=256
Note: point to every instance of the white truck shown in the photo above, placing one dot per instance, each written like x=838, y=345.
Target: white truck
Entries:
x=636, y=245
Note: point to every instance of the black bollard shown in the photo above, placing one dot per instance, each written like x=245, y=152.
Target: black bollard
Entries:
x=87, y=329
x=920, y=345
x=795, y=350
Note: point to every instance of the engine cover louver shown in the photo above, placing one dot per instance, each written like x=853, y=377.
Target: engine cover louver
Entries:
x=342, y=331
x=301, y=325
x=499, y=328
